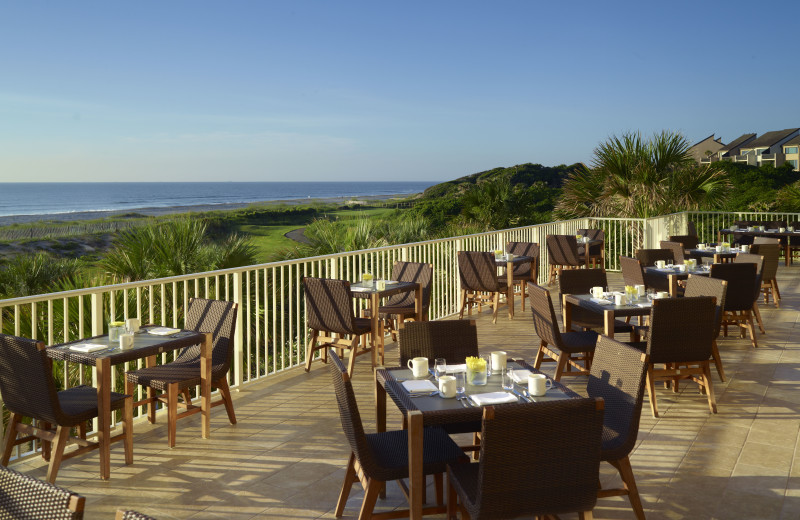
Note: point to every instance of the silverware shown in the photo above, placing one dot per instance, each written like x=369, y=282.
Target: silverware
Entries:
x=520, y=396
x=429, y=394
x=462, y=398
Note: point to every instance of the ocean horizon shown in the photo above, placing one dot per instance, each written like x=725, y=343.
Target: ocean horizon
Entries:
x=54, y=198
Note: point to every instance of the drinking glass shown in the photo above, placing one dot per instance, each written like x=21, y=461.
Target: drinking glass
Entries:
x=651, y=294
x=461, y=382
x=508, y=380
x=488, y=359
x=439, y=367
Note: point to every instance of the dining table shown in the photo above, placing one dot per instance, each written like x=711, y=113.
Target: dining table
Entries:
x=102, y=354
x=369, y=291
x=508, y=261
x=604, y=306
x=433, y=410
x=675, y=274
x=718, y=257
x=784, y=237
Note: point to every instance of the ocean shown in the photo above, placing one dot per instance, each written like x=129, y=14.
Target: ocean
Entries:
x=27, y=198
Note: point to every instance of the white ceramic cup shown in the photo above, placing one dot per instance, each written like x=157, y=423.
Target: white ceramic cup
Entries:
x=782, y=230
x=745, y=248
x=418, y=366
x=499, y=359
x=597, y=292
x=447, y=386
x=660, y=264
x=132, y=325
x=701, y=246
x=662, y=294
x=681, y=268
x=125, y=341
x=538, y=384
x=380, y=285
x=619, y=299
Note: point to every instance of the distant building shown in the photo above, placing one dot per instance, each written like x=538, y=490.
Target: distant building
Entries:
x=790, y=152
x=706, y=148
x=769, y=148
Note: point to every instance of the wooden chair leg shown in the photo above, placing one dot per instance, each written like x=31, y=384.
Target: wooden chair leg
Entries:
x=310, y=349
x=225, y=391
x=62, y=435
x=717, y=360
x=370, y=497
x=151, y=405
x=712, y=402
x=629, y=482
x=438, y=481
x=47, y=445
x=748, y=317
x=776, y=293
x=539, y=356
x=585, y=515
x=172, y=414
x=350, y=478
x=127, y=429
x=187, y=397
x=10, y=437
x=452, y=499
x=351, y=363
x=651, y=391
x=562, y=362
x=463, y=304
x=495, y=304
x=757, y=313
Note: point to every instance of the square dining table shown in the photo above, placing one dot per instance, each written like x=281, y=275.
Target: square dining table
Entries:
x=784, y=237
x=509, y=262
x=145, y=346
x=437, y=411
x=608, y=309
x=674, y=274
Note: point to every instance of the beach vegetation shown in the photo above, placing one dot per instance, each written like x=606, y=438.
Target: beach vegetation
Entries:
x=26, y=275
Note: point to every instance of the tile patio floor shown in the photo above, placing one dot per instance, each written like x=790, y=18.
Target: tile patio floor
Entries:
x=285, y=458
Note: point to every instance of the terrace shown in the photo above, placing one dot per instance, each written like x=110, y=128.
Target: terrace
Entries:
x=286, y=456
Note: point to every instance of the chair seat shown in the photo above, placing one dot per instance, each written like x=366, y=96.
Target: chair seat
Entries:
x=362, y=325
x=582, y=341
x=390, y=450
x=185, y=375
x=614, y=444
x=80, y=403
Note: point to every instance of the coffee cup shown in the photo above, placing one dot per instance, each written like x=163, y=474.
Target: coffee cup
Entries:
x=125, y=341
x=380, y=285
x=701, y=246
x=538, y=384
x=619, y=299
x=597, y=292
x=745, y=248
x=498, y=361
x=447, y=386
x=418, y=366
x=662, y=294
x=782, y=230
x=510, y=256
x=681, y=268
x=132, y=325
x=660, y=264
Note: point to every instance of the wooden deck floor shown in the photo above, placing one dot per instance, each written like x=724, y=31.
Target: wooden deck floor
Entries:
x=285, y=458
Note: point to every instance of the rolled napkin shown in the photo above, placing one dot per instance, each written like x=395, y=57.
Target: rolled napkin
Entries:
x=87, y=347
x=601, y=301
x=520, y=376
x=162, y=331
x=493, y=398
x=419, y=386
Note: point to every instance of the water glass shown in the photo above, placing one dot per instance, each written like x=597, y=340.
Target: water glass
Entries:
x=439, y=367
x=508, y=380
x=488, y=359
x=461, y=382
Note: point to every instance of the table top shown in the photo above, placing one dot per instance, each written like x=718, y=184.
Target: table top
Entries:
x=521, y=259
x=439, y=410
x=640, y=308
x=682, y=275
x=766, y=232
x=712, y=252
x=362, y=290
x=144, y=345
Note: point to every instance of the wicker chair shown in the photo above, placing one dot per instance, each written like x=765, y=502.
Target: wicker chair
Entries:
x=769, y=270
x=687, y=241
x=718, y=289
x=377, y=458
x=581, y=281
x=632, y=272
x=177, y=377
x=744, y=258
x=28, y=390
x=741, y=295
x=648, y=258
x=568, y=349
x=618, y=377
x=453, y=340
x=676, y=248
x=766, y=240
x=691, y=229
x=527, y=272
x=562, y=253
x=26, y=498
x=480, y=284
x=556, y=473
x=132, y=515
x=597, y=252
x=401, y=307
x=675, y=341
x=330, y=316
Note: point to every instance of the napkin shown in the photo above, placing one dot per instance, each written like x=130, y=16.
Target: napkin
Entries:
x=419, y=386
x=646, y=304
x=601, y=301
x=455, y=368
x=162, y=331
x=493, y=398
x=390, y=282
x=356, y=288
x=87, y=347
x=520, y=376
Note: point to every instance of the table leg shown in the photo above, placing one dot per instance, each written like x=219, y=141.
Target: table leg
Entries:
x=205, y=384
x=415, y=476
x=510, y=288
x=377, y=342
x=608, y=317
x=673, y=285
x=104, y=415
x=418, y=302
x=787, y=257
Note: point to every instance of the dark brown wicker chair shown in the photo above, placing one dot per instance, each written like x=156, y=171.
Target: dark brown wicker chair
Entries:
x=132, y=515
x=401, y=307
x=691, y=229
x=632, y=272
x=581, y=281
x=454, y=340
x=562, y=253
x=27, y=498
x=597, y=252
x=527, y=272
x=28, y=390
x=177, y=377
x=377, y=458
x=330, y=316
x=556, y=473
x=741, y=278
x=743, y=258
x=676, y=248
x=682, y=345
x=718, y=289
x=769, y=270
x=686, y=241
x=618, y=377
x=766, y=240
x=648, y=258
x=568, y=349
x=480, y=284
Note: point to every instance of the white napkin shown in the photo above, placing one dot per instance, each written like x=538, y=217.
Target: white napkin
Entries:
x=520, y=376
x=419, y=386
x=162, y=331
x=646, y=304
x=356, y=288
x=450, y=369
x=602, y=301
x=88, y=347
x=493, y=398
x=390, y=282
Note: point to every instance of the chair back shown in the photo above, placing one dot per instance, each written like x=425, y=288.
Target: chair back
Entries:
x=528, y=271
x=632, y=272
x=674, y=338
x=707, y=286
x=648, y=257
x=25, y=497
x=771, y=254
x=417, y=272
x=453, y=340
x=581, y=281
x=741, y=278
x=691, y=229
x=766, y=240
x=676, y=248
x=477, y=271
x=618, y=375
x=219, y=318
x=329, y=305
x=751, y=258
x=545, y=322
x=687, y=241
x=26, y=380
x=775, y=224
x=563, y=250
x=554, y=474
x=594, y=234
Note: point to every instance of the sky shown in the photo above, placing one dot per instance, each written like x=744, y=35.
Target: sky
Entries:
x=374, y=90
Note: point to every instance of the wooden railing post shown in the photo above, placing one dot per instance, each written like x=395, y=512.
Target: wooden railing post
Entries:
x=238, y=339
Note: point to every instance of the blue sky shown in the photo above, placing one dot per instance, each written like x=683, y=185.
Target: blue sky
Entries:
x=374, y=90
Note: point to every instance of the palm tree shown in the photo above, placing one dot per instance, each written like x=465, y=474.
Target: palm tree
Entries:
x=636, y=178
x=39, y=273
